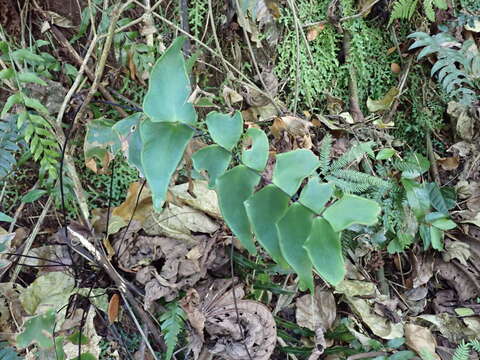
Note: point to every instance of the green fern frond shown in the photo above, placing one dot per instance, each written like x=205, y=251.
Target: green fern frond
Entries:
x=359, y=177
x=403, y=9
x=9, y=136
x=348, y=186
x=355, y=153
x=475, y=345
x=324, y=153
x=456, y=67
x=462, y=352
x=172, y=324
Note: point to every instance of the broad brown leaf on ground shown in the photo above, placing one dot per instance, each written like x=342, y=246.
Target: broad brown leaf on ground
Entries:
x=420, y=340
x=316, y=311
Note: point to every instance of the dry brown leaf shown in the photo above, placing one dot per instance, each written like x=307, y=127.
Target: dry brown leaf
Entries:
x=464, y=279
x=140, y=202
x=449, y=163
x=319, y=314
x=231, y=96
x=456, y=250
x=422, y=269
x=395, y=68
x=113, y=308
x=420, y=340
x=213, y=312
x=201, y=198
x=313, y=31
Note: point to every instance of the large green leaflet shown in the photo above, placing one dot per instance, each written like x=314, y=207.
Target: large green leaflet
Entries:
x=233, y=188
x=224, y=129
x=169, y=88
x=352, y=209
x=325, y=250
x=214, y=160
x=292, y=168
x=128, y=131
x=264, y=209
x=163, y=147
x=294, y=229
x=256, y=157
x=315, y=195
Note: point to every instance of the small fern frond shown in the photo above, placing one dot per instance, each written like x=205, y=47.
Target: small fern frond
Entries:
x=475, y=345
x=403, y=9
x=462, y=352
x=456, y=65
x=9, y=136
x=355, y=153
x=172, y=324
x=324, y=153
x=359, y=177
x=348, y=186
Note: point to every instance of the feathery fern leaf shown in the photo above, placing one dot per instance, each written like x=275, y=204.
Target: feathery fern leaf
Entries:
x=403, y=9
x=9, y=136
x=172, y=324
x=324, y=154
x=456, y=67
x=475, y=345
x=355, y=153
x=462, y=352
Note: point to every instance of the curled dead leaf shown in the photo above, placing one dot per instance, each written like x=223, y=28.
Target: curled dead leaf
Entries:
x=215, y=317
x=113, y=308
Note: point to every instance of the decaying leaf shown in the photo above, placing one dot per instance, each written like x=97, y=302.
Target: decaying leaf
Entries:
x=314, y=30
x=226, y=339
x=89, y=333
x=138, y=204
x=49, y=291
x=449, y=163
x=380, y=325
x=420, y=340
x=179, y=222
x=316, y=311
x=231, y=96
x=422, y=270
x=450, y=326
x=456, y=250
x=465, y=123
x=202, y=198
x=462, y=278
x=113, y=308
x=383, y=103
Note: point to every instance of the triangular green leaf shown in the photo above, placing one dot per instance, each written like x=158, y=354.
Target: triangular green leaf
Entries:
x=224, y=129
x=38, y=330
x=294, y=229
x=352, y=209
x=256, y=157
x=325, y=250
x=169, y=88
x=264, y=209
x=163, y=147
x=233, y=188
x=128, y=132
x=292, y=168
x=214, y=160
x=315, y=195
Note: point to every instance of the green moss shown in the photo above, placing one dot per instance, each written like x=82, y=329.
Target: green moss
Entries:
x=368, y=54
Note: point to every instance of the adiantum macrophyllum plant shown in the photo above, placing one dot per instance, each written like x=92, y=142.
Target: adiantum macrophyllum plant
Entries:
x=301, y=235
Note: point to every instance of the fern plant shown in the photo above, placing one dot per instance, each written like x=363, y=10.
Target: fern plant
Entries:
x=348, y=180
x=32, y=115
x=457, y=68
x=462, y=352
x=404, y=9
x=9, y=137
x=172, y=323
